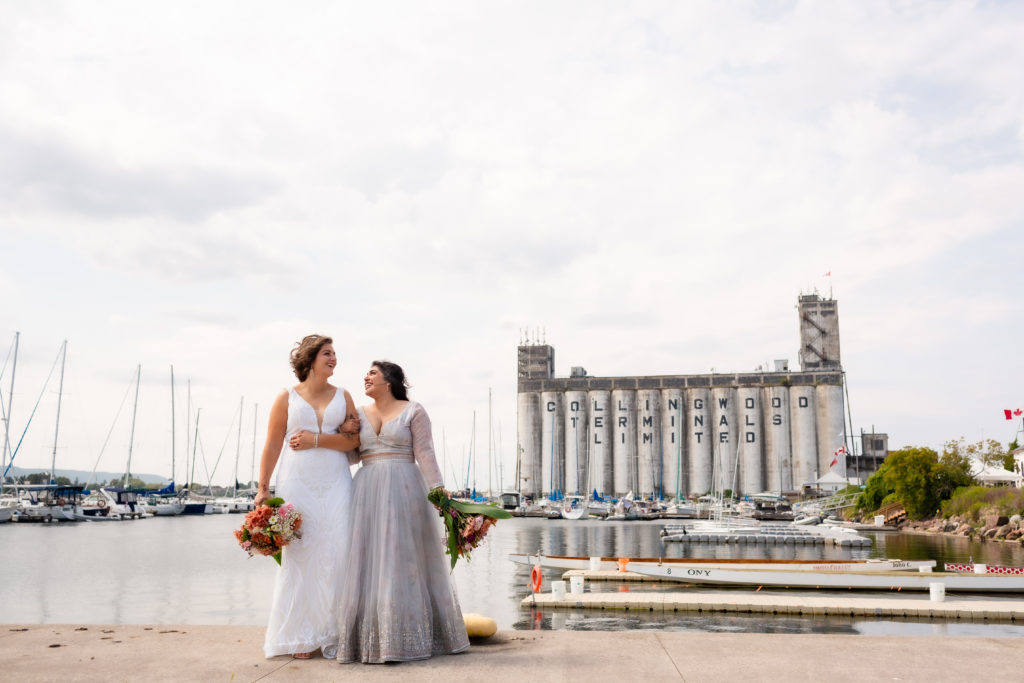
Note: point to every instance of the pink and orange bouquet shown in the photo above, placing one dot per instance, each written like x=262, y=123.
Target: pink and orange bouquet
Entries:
x=466, y=524
x=269, y=528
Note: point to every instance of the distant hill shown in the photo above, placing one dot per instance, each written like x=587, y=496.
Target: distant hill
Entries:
x=83, y=475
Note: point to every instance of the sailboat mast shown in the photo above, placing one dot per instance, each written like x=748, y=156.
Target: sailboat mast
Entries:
x=131, y=437
x=188, y=427
x=490, y=446
x=238, y=446
x=10, y=401
x=172, y=428
x=472, y=451
x=60, y=394
x=195, y=441
x=252, y=464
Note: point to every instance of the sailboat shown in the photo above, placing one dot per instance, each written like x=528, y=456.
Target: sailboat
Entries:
x=49, y=502
x=193, y=505
x=234, y=502
x=575, y=506
x=124, y=500
x=164, y=503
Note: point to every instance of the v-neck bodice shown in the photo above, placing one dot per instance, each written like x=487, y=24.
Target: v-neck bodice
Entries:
x=395, y=437
x=302, y=415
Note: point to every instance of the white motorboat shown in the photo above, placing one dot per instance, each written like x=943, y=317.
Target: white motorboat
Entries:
x=125, y=502
x=163, y=506
x=46, y=503
x=574, y=507
x=238, y=504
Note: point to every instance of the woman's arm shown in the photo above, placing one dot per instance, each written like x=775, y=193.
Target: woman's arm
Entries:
x=423, y=448
x=277, y=425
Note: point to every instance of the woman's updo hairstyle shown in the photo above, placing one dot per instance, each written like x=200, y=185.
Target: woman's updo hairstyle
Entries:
x=395, y=378
x=305, y=352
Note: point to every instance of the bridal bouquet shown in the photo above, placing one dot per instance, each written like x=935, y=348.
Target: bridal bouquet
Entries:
x=269, y=528
x=465, y=524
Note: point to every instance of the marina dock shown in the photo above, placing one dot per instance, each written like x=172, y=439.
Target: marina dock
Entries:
x=48, y=652
x=796, y=603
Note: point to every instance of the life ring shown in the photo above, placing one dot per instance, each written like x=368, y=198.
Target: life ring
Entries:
x=535, y=578
x=101, y=503
x=62, y=502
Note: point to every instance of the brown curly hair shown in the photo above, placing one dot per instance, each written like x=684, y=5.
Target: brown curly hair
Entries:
x=305, y=353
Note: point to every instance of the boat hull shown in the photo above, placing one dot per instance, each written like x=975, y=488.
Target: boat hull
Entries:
x=635, y=564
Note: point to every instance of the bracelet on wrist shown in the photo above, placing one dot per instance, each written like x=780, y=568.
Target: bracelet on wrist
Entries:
x=316, y=440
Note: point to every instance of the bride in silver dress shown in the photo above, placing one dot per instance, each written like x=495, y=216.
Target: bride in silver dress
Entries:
x=397, y=603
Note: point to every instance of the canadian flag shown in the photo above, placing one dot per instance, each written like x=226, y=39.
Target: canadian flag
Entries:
x=828, y=274
x=1010, y=414
x=839, y=451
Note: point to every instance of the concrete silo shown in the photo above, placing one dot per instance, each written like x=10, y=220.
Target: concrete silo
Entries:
x=674, y=464
x=751, y=435
x=804, y=435
x=831, y=428
x=600, y=443
x=576, y=442
x=528, y=435
x=648, y=442
x=552, y=443
x=699, y=437
x=777, y=462
x=726, y=442
x=624, y=441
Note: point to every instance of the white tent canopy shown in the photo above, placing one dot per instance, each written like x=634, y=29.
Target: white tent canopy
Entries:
x=832, y=481
x=992, y=476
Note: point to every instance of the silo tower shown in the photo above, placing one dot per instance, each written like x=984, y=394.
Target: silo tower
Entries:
x=819, y=333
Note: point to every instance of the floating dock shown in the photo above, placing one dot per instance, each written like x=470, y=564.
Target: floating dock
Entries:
x=767, y=535
x=802, y=603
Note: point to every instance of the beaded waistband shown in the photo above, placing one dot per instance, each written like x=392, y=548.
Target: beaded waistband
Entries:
x=387, y=457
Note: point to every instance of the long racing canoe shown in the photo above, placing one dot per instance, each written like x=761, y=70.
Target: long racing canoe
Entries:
x=637, y=563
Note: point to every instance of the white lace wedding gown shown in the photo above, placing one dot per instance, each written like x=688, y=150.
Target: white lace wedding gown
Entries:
x=304, y=614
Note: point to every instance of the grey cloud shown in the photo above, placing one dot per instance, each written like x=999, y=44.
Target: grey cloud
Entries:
x=383, y=169
x=50, y=174
x=198, y=257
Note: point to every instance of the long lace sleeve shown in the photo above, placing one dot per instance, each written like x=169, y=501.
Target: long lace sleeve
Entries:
x=423, y=448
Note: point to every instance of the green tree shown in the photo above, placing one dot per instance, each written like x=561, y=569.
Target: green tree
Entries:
x=912, y=478
x=876, y=489
x=988, y=451
x=917, y=478
x=952, y=472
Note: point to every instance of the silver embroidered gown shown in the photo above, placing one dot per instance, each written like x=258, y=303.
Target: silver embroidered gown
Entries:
x=318, y=482
x=397, y=603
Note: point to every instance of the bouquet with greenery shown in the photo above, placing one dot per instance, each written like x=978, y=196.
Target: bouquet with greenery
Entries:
x=269, y=528
x=465, y=524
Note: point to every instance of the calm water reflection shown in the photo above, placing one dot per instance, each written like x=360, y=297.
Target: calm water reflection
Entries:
x=188, y=570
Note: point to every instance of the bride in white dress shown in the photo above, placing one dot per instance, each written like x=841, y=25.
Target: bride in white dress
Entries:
x=317, y=481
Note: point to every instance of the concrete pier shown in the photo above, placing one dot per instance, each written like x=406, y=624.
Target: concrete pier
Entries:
x=795, y=603
x=51, y=652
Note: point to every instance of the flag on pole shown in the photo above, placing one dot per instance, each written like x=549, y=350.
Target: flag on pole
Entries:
x=828, y=274
x=839, y=451
x=1010, y=414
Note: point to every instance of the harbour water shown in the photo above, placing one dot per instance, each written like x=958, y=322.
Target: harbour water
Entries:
x=189, y=570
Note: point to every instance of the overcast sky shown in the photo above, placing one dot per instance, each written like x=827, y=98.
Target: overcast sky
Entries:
x=652, y=184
